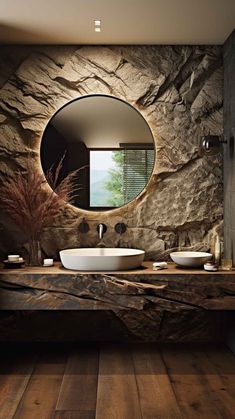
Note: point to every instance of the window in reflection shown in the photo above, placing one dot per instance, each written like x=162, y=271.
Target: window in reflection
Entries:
x=118, y=176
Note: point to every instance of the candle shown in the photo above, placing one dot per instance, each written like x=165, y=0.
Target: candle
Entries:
x=13, y=258
x=48, y=262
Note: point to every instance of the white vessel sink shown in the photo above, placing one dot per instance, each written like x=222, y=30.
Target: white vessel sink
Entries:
x=101, y=259
x=190, y=259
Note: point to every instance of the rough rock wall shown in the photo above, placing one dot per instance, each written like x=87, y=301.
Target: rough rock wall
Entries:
x=178, y=89
x=167, y=307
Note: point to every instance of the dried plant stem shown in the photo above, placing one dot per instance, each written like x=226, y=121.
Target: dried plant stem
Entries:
x=31, y=204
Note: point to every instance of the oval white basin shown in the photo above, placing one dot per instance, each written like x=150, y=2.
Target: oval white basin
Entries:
x=190, y=259
x=101, y=259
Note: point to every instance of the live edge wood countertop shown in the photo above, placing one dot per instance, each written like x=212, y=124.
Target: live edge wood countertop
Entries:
x=171, y=305
x=173, y=288
x=145, y=269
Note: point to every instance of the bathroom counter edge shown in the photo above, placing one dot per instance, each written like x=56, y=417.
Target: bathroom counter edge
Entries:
x=146, y=269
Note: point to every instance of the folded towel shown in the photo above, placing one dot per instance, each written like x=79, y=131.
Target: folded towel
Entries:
x=159, y=265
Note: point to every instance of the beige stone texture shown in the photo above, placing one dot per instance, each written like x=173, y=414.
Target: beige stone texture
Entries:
x=178, y=89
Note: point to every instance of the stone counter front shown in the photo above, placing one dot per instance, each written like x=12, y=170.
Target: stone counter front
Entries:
x=170, y=289
x=168, y=305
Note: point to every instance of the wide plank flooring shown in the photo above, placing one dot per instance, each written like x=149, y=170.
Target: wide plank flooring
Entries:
x=139, y=381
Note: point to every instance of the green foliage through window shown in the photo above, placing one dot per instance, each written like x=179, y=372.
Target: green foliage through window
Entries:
x=129, y=176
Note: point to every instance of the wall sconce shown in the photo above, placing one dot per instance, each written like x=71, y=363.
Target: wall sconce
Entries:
x=211, y=144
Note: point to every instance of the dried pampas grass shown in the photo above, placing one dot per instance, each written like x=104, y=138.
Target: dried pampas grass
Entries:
x=29, y=202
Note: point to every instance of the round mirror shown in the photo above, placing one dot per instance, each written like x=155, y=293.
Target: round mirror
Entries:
x=109, y=145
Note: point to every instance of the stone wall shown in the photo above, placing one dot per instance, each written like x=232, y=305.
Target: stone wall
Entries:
x=166, y=306
x=178, y=89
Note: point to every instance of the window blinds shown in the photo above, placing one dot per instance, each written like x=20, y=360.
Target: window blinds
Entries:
x=137, y=169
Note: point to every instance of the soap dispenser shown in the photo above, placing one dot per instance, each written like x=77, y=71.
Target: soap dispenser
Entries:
x=217, y=250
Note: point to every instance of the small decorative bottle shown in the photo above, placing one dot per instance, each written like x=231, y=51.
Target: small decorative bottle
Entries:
x=217, y=250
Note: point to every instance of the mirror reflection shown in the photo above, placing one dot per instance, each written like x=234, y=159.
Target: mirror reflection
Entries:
x=110, y=145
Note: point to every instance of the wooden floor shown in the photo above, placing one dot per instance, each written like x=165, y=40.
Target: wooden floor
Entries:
x=116, y=382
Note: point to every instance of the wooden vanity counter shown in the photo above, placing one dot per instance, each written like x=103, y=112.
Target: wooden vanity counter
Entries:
x=59, y=288
x=149, y=304
x=145, y=269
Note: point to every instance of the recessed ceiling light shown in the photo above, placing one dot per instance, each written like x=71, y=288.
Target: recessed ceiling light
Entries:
x=97, y=29
x=97, y=22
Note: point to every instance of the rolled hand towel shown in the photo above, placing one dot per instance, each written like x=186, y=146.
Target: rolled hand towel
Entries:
x=159, y=265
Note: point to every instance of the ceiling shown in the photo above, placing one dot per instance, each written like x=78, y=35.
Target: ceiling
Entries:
x=101, y=121
x=123, y=21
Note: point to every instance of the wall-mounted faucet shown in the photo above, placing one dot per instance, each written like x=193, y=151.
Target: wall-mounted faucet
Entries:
x=101, y=228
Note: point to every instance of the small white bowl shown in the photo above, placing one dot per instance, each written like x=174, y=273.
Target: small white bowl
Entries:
x=190, y=259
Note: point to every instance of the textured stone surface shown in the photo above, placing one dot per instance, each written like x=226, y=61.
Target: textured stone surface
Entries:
x=172, y=289
x=178, y=90
x=106, y=326
x=167, y=306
